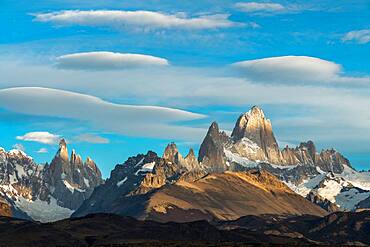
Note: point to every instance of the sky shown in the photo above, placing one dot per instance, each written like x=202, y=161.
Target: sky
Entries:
x=118, y=78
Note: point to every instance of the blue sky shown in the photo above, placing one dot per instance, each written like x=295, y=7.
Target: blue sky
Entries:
x=87, y=69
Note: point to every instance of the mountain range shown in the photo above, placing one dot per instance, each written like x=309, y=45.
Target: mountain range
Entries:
x=169, y=187
x=46, y=192
x=245, y=174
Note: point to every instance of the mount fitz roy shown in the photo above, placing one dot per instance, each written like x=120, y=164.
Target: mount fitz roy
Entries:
x=246, y=173
x=173, y=188
x=45, y=192
x=326, y=178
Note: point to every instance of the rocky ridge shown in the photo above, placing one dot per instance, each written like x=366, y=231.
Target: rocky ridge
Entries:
x=46, y=192
x=173, y=188
x=140, y=175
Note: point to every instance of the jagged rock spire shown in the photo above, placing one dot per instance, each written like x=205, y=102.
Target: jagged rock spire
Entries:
x=62, y=143
x=75, y=158
x=254, y=126
x=191, y=161
x=211, y=152
x=92, y=165
x=190, y=154
x=171, y=153
x=63, y=151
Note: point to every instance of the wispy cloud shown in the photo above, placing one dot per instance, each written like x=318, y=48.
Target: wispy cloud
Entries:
x=145, y=20
x=131, y=120
x=19, y=146
x=42, y=151
x=39, y=136
x=270, y=8
x=252, y=7
x=359, y=36
x=91, y=138
x=108, y=61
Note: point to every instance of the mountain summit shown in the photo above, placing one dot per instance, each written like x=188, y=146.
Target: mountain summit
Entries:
x=255, y=127
x=252, y=145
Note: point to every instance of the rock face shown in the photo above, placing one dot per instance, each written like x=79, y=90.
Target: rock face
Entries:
x=46, y=192
x=254, y=126
x=322, y=202
x=305, y=153
x=211, y=152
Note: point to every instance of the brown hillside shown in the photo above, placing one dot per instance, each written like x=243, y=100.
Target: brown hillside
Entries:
x=220, y=196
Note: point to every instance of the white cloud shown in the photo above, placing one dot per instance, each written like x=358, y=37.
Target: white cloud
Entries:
x=42, y=151
x=270, y=8
x=132, y=120
x=19, y=146
x=107, y=61
x=90, y=138
x=251, y=7
x=38, y=136
x=296, y=70
x=145, y=20
x=341, y=114
x=360, y=36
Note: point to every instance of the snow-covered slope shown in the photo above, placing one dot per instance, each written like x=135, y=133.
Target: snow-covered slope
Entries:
x=346, y=189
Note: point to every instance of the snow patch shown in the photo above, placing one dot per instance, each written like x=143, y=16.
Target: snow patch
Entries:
x=148, y=166
x=287, y=167
x=330, y=190
x=248, y=145
x=337, y=188
x=87, y=182
x=358, y=179
x=349, y=199
x=140, y=162
x=19, y=152
x=119, y=183
x=71, y=188
x=307, y=185
x=231, y=157
x=20, y=171
x=42, y=210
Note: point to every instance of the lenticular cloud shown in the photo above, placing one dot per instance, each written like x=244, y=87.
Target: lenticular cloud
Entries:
x=103, y=60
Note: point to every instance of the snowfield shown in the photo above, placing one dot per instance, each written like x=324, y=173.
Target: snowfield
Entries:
x=43, y=211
